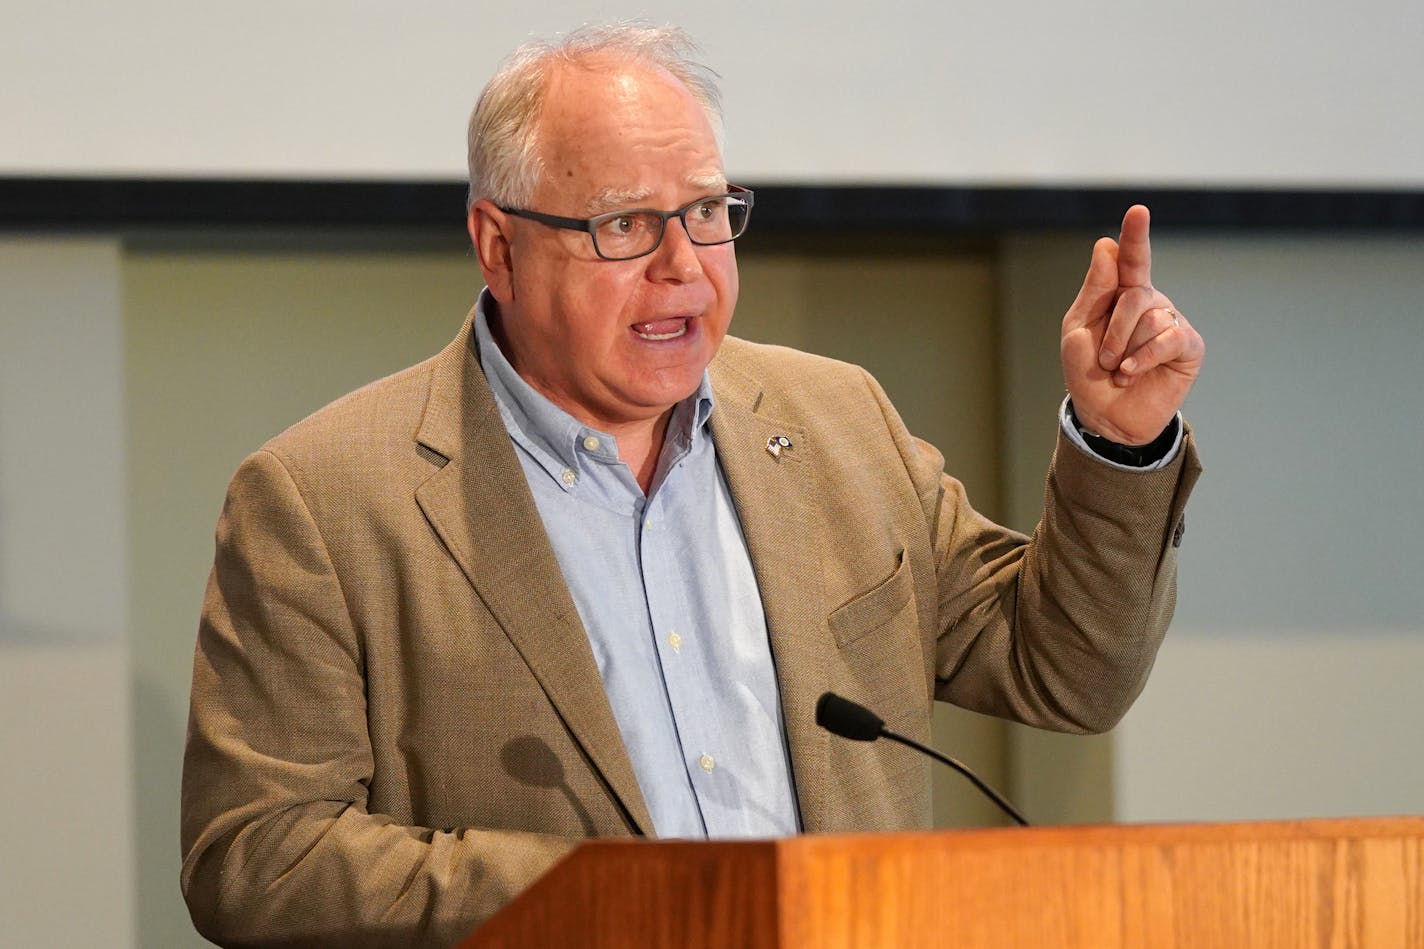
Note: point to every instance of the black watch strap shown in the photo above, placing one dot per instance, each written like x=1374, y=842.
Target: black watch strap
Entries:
x=1134, y=456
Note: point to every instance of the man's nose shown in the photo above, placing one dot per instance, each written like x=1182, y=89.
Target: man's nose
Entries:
x=676, y=257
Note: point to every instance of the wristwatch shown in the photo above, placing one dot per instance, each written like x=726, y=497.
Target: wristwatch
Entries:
x=1134, y=456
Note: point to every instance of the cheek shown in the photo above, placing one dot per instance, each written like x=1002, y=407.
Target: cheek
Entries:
x=581, y=300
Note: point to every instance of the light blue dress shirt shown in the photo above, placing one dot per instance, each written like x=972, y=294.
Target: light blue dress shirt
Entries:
x=665, y=589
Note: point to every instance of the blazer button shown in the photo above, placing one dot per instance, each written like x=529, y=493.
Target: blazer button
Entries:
x=1179, y=531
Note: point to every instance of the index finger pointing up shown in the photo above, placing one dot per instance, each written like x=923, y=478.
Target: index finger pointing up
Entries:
x=1134, y=256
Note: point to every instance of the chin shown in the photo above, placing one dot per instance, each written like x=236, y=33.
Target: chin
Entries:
x=669, y=390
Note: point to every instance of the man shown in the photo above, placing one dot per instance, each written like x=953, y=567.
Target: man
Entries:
x=585, y=572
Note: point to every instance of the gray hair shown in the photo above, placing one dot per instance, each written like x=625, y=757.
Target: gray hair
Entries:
x=505, y=163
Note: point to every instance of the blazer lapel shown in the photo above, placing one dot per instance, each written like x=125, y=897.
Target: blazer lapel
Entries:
x=480, y=505
x=775, y=495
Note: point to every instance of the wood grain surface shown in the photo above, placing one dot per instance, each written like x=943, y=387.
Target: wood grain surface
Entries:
x=1319, y=883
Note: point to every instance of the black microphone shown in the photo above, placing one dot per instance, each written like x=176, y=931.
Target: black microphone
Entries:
x=841, y=716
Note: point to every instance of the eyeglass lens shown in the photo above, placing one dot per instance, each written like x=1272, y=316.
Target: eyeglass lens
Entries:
x=626, y=234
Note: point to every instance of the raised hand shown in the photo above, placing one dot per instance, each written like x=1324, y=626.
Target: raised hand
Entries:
x=1129, y=357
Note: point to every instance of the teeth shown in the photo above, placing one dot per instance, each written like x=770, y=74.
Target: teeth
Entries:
x=681, y=330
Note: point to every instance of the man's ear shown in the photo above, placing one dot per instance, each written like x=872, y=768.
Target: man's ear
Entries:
x=488, y=227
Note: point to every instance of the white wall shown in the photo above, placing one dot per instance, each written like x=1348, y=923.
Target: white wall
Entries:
x=1245, y=724
x=1085, y=91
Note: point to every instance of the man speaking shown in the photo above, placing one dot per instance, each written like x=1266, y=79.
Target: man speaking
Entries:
x=586, y=571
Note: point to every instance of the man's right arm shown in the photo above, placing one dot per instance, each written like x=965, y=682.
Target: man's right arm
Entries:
x=279, y=846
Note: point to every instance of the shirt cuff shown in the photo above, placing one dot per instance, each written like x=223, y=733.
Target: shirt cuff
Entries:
x=1065, y=419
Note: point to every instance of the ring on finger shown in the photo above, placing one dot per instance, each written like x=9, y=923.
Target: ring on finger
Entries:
x=1173, y=314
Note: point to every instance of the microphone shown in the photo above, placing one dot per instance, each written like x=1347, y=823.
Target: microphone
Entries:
x=841, y=716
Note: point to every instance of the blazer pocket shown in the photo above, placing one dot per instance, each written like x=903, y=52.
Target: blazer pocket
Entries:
x=875, y=607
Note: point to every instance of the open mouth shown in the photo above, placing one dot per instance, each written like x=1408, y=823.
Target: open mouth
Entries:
x=659, y=330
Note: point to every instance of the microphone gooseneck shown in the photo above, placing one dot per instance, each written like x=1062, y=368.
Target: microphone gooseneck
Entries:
x=840, y=716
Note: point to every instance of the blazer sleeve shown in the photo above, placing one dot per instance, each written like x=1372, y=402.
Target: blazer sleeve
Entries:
x=279, y=847
x=1058, y=630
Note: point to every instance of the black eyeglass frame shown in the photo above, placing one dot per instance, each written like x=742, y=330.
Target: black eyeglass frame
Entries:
x=590, y=225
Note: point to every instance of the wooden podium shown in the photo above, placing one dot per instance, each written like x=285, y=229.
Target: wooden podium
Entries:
x=1317, y=883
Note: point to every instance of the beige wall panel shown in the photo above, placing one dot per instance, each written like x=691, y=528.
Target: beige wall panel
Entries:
x=1240, y=725
x=923, y=324
x=773, y=305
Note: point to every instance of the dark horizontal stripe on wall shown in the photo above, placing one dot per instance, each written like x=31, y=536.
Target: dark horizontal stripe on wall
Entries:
x=118, y=204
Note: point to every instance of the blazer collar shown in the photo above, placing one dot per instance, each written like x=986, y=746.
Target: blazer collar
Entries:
x=480, y=505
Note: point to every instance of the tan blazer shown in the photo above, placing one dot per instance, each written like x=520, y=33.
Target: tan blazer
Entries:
x=397, y=722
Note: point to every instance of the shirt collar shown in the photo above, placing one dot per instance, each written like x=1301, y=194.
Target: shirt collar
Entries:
x=557, y=439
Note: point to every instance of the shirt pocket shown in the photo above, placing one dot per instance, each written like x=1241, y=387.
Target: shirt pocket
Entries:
x=871, y=610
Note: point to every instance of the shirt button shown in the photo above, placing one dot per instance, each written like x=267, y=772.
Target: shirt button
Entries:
x=591, y=443
x=707, y=762
x=648, y=523
x=569, y=477
x=675, y=641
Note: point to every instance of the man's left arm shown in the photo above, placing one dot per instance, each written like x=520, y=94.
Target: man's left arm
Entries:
x=1061, y=631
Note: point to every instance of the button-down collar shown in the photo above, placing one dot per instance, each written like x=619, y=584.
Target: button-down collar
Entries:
x=560, y=443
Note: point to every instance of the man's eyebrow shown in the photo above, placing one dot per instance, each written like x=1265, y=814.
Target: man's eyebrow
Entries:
x=708, y=181
x=617, y=199
x=614, y=199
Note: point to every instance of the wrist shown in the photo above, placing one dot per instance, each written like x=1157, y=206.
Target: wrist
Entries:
x=1136, y=456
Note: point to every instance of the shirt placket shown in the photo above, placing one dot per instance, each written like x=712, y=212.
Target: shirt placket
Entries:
x=679, y=646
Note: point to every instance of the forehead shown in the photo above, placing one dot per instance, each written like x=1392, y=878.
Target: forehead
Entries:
x=614, y=133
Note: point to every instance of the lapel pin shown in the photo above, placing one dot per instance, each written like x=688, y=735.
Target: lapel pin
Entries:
x=776, y=443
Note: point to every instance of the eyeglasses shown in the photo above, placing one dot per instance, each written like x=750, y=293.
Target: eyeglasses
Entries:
x=624, y=235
